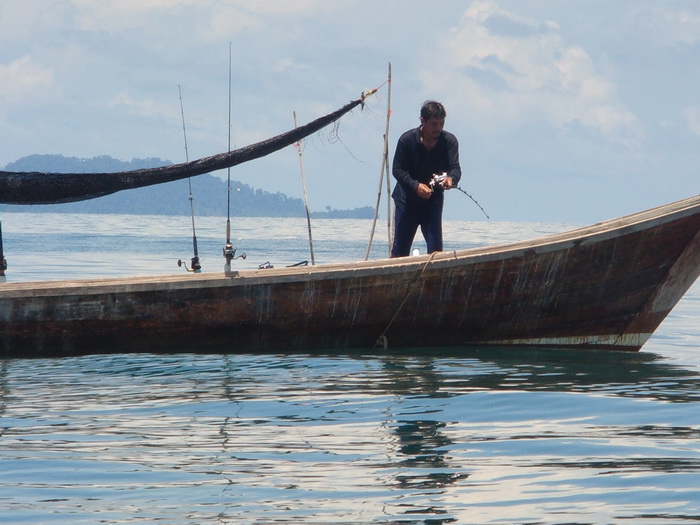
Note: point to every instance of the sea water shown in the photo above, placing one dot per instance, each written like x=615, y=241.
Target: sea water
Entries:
x=444, y=435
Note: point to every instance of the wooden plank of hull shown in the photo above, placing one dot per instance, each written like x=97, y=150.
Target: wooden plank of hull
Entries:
x=606, y=286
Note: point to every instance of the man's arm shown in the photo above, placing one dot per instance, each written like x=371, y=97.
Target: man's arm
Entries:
x=400, y=167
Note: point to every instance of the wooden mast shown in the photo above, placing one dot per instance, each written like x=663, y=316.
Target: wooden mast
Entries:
x=384, y=169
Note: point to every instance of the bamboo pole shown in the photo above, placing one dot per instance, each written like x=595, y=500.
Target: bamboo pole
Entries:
x=384, y=169
x=306, y=197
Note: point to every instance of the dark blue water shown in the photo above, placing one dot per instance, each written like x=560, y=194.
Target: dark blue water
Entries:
x=444, y=435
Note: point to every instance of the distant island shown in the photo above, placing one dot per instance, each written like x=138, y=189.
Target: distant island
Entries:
x=170, y=198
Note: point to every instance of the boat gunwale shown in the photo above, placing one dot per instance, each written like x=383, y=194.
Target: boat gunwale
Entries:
x=595, y=233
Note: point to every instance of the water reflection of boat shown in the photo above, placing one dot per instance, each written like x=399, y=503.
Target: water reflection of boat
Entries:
x=609, y=285
x=426, y=447
x=459, y=371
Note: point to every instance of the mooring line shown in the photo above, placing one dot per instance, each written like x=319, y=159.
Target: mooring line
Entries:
x=382, y=339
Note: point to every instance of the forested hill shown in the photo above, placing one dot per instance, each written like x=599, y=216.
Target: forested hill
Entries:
x=171, y=198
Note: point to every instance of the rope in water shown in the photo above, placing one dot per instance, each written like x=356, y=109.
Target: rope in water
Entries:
x=382, y=339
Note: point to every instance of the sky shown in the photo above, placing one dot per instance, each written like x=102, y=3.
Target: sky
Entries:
x=566, y=111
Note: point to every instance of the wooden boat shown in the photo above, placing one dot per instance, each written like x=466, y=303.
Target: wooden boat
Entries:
x=608, y=286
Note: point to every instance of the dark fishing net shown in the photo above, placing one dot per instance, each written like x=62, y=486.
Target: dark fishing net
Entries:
x=55, y=188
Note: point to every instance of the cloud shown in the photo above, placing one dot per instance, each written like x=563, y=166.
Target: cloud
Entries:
x=508, y=70
x=692, y=119
x=104, y=9
x=159, y=17
x=665, y=25
x=23, y=77
x=208, y=18
x=147, y=107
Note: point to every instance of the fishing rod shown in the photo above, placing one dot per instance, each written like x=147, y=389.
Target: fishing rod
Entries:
x=229, y=251
x=194, y=264
x=3, y=261
x=437, y=180
x=474, y=200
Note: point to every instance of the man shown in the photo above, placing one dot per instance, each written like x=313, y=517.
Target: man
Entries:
x=421, y=153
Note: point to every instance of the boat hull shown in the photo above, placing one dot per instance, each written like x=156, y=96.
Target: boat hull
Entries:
x=606, y=286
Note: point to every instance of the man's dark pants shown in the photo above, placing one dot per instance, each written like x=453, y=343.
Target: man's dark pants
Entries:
x=407, y=220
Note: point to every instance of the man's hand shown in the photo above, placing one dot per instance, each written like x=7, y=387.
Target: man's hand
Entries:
x=424, y=191
x=447, y=183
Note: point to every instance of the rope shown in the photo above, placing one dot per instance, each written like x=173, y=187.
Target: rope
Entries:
x=382, y=339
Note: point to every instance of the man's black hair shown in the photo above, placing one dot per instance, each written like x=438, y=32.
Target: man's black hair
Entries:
x=432, y=109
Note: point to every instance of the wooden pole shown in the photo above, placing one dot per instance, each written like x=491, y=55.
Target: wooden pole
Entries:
x=389, y=215
x=306, y=197
x=384, y=169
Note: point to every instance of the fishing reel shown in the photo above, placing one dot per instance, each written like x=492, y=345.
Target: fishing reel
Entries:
x=437, y=180
x=195, y=267
x=230, y=254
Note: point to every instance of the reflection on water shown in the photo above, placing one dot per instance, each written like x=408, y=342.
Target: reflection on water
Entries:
x=409, y=438
x=465, y=370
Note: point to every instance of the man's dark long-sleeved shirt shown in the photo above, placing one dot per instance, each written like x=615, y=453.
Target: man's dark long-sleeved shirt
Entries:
x=414, y=164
